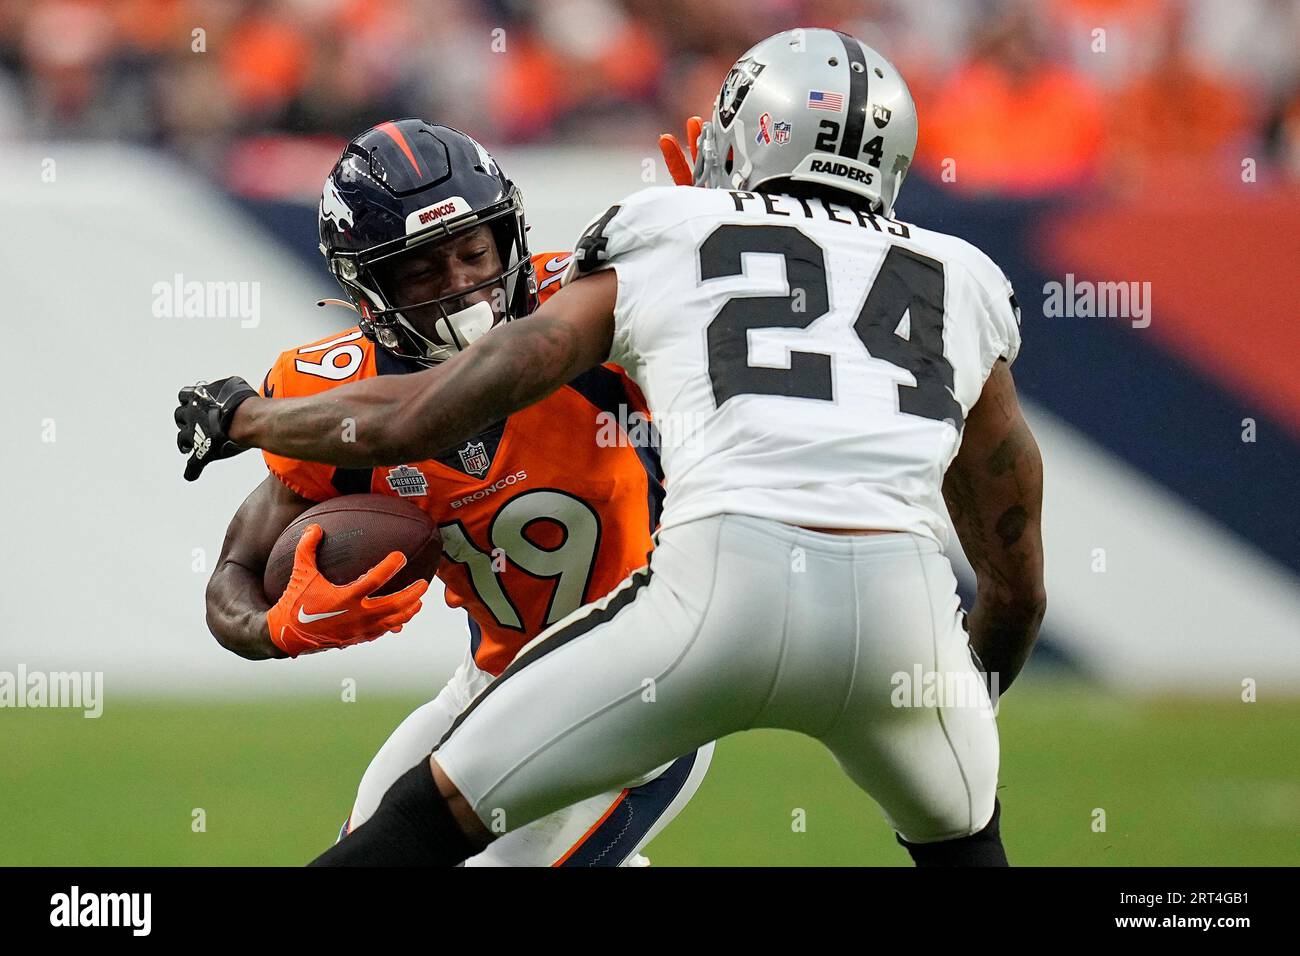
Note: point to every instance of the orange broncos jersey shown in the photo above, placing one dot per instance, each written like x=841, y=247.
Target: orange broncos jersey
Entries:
x=539, y=514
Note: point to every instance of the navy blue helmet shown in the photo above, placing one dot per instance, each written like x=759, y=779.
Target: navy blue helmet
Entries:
x=399, y=186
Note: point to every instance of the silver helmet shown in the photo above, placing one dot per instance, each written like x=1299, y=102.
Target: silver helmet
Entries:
x=813, y=106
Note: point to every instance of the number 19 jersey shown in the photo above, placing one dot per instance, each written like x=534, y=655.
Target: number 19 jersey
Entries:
x=539, y=514
x=804, y=362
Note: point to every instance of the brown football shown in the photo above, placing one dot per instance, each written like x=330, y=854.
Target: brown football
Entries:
x=359, y=532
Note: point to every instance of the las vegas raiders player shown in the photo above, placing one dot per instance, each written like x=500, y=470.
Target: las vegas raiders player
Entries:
x=847, y=375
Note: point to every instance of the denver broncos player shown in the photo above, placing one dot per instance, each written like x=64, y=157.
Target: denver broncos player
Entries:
x=539, y=513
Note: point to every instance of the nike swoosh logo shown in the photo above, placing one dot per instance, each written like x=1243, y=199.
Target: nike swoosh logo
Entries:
x=305, y=618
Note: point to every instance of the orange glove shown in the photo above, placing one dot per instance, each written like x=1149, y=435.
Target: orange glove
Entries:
x=314, y=615
x=675, y=157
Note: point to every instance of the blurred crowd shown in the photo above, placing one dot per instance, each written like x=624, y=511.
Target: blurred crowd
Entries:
x=1024, y=96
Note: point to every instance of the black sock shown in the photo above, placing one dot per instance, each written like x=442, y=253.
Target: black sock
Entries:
x=979, y=849
x=413, y=826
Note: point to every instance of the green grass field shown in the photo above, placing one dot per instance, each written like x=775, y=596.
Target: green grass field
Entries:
x=1181, y=782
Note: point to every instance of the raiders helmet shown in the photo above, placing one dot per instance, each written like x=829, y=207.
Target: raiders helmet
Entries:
x=811, y=106
x=399, y=186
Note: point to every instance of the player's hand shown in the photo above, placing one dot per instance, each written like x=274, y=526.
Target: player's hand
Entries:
x=314, y=615
x=203, y=418
x=684, y=172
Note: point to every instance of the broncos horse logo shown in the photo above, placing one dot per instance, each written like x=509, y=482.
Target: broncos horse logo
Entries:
x=333, y=208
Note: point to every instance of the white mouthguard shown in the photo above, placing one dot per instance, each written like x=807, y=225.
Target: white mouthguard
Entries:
x=463, y=327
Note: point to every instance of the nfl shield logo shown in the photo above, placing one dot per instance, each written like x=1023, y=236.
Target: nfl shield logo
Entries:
x=881, y=115
x=474, y=459
x=781, y=133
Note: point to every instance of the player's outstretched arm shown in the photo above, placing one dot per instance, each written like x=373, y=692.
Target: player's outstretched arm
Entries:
x=994, y=491
x=236, y=603
x=392, y=419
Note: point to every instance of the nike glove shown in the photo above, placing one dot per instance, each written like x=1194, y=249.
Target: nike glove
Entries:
x=684, y=173
x=314, y=614
x=202, y=419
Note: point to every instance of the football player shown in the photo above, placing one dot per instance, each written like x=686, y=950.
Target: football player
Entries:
x=850, y=373
x=427, y=237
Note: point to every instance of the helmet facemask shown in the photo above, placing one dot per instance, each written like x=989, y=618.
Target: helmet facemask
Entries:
x=367, y=278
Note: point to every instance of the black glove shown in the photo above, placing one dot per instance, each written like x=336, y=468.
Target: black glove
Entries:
x=202, y=418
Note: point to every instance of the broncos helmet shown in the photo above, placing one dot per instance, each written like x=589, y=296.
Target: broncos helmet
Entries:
x=401, y=185
x=811, y=106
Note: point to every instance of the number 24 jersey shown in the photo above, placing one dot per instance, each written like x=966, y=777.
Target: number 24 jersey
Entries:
x=804, y=361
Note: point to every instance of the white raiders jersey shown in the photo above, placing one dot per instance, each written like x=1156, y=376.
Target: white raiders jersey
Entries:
x=803, y=362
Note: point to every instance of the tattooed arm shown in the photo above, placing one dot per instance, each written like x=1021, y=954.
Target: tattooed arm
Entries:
x=393, y=419
x=994, y=491
x=236, y=603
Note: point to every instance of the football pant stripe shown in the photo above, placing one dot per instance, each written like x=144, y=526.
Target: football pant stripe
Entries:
x=601, y=612
x=630, y=818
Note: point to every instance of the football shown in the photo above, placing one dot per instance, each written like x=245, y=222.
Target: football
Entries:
x=359, y=532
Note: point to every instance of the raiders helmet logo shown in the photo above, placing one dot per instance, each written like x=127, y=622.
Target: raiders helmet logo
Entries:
x=735, y=88
x=881, y=114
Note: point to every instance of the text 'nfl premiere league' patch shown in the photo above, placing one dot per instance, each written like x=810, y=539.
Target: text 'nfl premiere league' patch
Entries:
x=407, y=481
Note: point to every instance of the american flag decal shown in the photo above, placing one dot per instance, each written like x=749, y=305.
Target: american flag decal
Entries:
x=821, y=100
